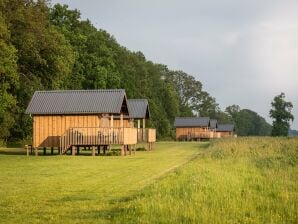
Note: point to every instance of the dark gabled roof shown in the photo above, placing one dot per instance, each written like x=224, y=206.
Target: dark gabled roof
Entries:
x=78, y=102
x=138, y=108
x=192, y=122
x=213, y=123
x=225, y=127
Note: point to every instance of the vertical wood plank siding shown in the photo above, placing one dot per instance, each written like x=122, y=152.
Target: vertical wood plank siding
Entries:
x=47, y=129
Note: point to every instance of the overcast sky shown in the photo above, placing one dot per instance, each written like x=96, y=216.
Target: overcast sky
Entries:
x=243, y=51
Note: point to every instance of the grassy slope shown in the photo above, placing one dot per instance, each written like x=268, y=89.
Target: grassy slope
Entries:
x=251, y=180
x=54, y=189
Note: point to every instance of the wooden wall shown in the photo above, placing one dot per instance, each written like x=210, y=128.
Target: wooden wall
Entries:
x=130, y=136
x=226, y=134
x=182, y=133
x=151, y=135
x=47, y=129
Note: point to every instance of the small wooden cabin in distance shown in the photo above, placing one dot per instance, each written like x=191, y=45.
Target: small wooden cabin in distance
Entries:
x=194, y=128
x=68, y=119
x=226, y=130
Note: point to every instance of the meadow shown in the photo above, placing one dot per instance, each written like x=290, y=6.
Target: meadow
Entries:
x=243, y=180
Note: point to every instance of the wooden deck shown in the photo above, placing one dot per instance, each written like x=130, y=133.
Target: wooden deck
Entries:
x=94, y=136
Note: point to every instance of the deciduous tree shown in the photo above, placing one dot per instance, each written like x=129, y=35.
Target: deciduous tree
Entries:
x=281, y=115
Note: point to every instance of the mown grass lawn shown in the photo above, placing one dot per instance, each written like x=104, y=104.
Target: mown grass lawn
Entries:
x=81, y=189
x=243, y=180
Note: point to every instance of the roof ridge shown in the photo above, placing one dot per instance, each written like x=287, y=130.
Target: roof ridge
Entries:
x=191, y=117
x=139, y=99
x=80, y=90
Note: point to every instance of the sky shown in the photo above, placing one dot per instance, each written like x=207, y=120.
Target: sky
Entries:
x=243, y=52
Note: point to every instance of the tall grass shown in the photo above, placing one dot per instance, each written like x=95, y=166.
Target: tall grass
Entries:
x=244, y=180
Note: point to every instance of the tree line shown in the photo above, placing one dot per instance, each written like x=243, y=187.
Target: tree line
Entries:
x=45, y=47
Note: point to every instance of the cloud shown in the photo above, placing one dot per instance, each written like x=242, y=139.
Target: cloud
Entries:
x=244, y=52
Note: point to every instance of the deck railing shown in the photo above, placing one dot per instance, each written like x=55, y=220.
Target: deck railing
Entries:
x=146, y=135
x=93, y=136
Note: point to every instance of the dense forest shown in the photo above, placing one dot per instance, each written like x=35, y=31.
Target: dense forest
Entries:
x=45, y=47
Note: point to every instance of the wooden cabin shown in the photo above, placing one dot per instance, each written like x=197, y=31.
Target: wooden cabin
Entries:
x=139, y=113
x=213, y=127
x=67, y=119
x=225, y=130
x=193, y=128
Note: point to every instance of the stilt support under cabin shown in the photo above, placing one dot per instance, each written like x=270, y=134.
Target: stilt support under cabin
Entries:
x=44, y=150
x=36, y=151
x=93, y=150
x=129, y=149
x=73, y=150
x=52, y=150
x=150, y=146
x=78, y=150
x=122, y=150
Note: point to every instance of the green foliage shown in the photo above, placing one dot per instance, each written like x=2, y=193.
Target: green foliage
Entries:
x=9, y=80
x=46, y=48
x=281, y=115
x=247, y=122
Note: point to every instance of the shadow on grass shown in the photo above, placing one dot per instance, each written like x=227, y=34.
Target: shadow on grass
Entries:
x=22, y=152
x=12, y=152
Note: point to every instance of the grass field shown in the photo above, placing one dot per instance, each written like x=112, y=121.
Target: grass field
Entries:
x=244, y=180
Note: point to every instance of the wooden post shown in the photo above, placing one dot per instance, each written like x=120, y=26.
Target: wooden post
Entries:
x=93, y=150
x=125, y=150
x=132, y=123
x=112, y=121
x=78, y=150
x=52, y=151
x=73, y=150
x=36, y=151
x=139, y=125
x=129, y=149
x=121, y=120
x=98, y=150
x=144, y=130
x=122, y=150
x=44, y=150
